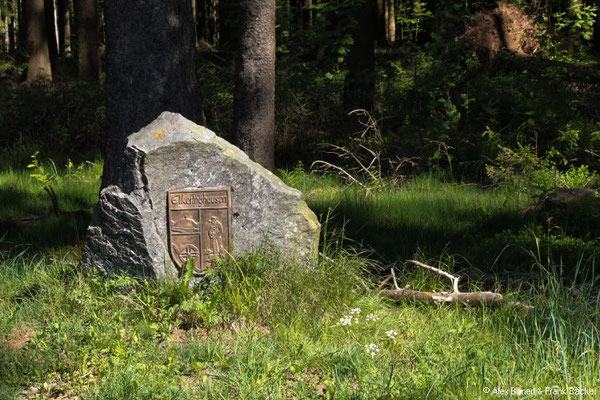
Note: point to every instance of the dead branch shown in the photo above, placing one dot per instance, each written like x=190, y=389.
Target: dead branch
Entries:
x=456, y=296
x=453, y=278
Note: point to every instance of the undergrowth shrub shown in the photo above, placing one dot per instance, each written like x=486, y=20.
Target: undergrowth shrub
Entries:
x=524, y=170
x=65, y=118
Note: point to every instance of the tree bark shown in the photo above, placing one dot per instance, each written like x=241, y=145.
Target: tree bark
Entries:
x=88, y=53
x=150, y=68
x=359, y=86
x=254, y=98
x=51, y=28
x=37, y=36
x=64, y=27
x=12, y=39
x=200, y=21
x=307, y=13
x=385, y=24
x=21, y=26
x=596, y=37
x=390, y=22
x=212, y=20
x=4, y=21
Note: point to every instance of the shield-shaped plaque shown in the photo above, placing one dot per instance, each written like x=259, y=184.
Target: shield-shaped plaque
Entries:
x=199, y=225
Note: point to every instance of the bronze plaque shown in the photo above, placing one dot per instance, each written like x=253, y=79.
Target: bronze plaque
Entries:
x=199, y=225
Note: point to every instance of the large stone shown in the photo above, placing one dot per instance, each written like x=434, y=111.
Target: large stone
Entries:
x=128, y=232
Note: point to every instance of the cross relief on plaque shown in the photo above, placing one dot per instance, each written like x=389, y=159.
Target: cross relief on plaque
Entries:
x=199, y=225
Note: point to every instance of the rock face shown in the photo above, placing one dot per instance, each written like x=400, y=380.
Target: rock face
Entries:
x=562, y=198
x=128, y=232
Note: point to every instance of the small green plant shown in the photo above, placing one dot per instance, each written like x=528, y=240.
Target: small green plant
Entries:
x=49, y=178
x=45, y=179
x=578, y=21
x=528, y=173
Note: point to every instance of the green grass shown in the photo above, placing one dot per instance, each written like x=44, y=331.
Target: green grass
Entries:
x=488, y=229
x=259, y=327
x=22, y=197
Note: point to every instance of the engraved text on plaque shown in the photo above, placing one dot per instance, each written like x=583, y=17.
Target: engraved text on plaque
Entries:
x=199, y=225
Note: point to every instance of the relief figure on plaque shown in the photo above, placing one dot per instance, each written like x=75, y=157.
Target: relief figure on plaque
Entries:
x=215, y=233
x=184, y=222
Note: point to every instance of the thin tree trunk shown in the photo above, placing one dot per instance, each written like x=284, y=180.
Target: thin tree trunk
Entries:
x=22, y=26
x=380, y=23
x=572, y=39
x=390, y=22
x=307, y=13
x=149, y=69
x=195, y=19
x=212, y=19
x=596, y=37
x=254, y=98
x=51, y=29
x=200, y=21
x=285, y=16
x=88, y=53
x=37, y=36
x=359, y=86
x=64, y=27
x=4, y=21
x=12, y=40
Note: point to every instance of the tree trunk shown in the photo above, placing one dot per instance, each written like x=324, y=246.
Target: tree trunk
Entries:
x=307, y=13
x=88, y=54
x=37, y=36
x=195, y=13
x=4, y=21
x=200, y=21
x=359, y=86
x=212, y=20
x=380, y=22
x=596, y=37
x=390, y=22
x=12, y=39
x=51, y=28
x=22, y=26
x=149, y=69
x=64, y=27
x=254, y=98
x=385, y=24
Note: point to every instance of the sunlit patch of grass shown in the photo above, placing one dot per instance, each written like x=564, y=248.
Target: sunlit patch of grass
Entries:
x=280, y=335
x=260, y=327
x=26, y=214
x=427, y=216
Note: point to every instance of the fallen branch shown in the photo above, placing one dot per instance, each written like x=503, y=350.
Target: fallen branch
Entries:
x=456, y=296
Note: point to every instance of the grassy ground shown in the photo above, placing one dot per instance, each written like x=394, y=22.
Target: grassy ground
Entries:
x=261, y=328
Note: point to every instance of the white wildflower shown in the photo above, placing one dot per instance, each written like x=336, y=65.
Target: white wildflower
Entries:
x=355, y=311
x=391, y=334
x=345, y=320
x=372, y=317
x=372, y=349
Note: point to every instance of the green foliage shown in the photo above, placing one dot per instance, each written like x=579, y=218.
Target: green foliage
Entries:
x=578, y=21
x=528, y=173
x=47, y=179
x=410, y=16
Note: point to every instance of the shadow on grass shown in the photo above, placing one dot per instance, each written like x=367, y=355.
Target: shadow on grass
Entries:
x=45, y=233
x=481, y=240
